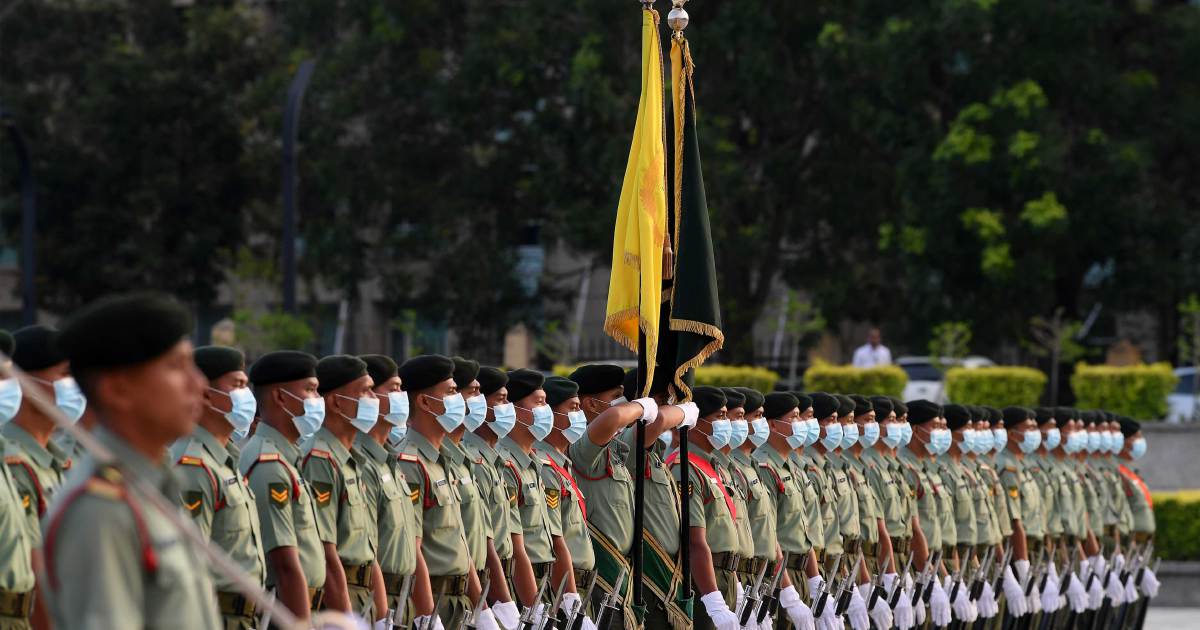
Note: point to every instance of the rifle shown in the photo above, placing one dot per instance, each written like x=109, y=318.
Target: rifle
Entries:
x=920, y=591
x=468, y=620
x=552, y=611
x=956, y=581
x=844, y=595
x=997, y=579
x=898, y=587
x=821, y=597
x=1147, y=554
x=877, y=590
x=437, y=601
x=611, y=601
x=528, y=617
x=401, y=600
x=575, y=620
x=981, y=574
x=771, y=603
x=750, y=601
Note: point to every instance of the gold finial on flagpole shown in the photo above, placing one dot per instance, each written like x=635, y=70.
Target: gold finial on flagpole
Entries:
x=677, y=19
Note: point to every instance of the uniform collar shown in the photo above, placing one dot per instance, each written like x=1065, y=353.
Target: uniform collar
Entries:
x=214, y=448
x=325, y=438
x=552, y=453
x=515, y=452
x=423, y=446
x=740, y=456
x=286, y=447
x=45, y=457
x=771, y=455
x=371, y=448
x=157, y=474
x=453, y=452
x=479, y=444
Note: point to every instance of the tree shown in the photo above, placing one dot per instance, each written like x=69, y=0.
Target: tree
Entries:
x=802, y=320
x=1189, y=345
x=1057, y=339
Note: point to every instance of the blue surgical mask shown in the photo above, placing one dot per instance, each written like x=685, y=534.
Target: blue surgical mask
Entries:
x=238, y=435
x=505, y=418
x=578, y=425
x=813, y=430
x=397, y=408
x=1053, y=439
x=455, y=410
x=543, y=421
x=665, y=438
x=1137, y=448
x=967, y=443
x=799, y=432
x=721, y=431
x=983, y=441
x=313, y=417
x=68, y=397
x=999, y=439
x=741, y=429
x=1030, y=441
x=908, y=432
x=894, y=435
x=397, y=433
x=242, y=407
x=762, y=429
x=870, y=434
x=1118, y=442
x=10, y=399
x=476, y=412
x=366, y=413
x=1093, y=441
x=849, y=435
x=833, y=436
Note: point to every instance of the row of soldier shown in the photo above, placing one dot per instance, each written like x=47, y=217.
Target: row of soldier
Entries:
x=441, y=494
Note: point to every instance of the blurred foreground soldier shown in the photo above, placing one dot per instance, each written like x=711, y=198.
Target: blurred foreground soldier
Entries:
x=112, y=560
x=16, y=572
x=213, y=492
x=285, y=387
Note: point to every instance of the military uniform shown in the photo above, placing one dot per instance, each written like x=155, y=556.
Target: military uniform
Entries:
x=284, y=500
x=957, y=485
x=662, y=574
x=434, y=495
x=926, y=495
x=1024, y=498
x=477, y=525
x=815, y=468
x=1141, y=506
x=37, y=471
x=393, y=530
x=566, y=504
x=849, y=524
x=868, y=508
x=776, y=472
x=114, y=561
x=810, y=495
x=485, y=469
x=890, y=495
x=220, y=502
x=745, y=537
x=16, y=573
x=760, y=510
x=710, y=506
x=604, y=478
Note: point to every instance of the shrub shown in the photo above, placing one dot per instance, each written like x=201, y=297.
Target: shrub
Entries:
x=887, y=380
x=995, y=386
x=717, y=375
x=1177, y=526
x=1139, y=391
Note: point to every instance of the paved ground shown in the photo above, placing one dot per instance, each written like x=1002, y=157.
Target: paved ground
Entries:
x=1173, y=619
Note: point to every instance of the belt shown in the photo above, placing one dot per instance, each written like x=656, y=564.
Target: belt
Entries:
x=541, y=568
x=507, y=564
x=584, y=579
x=870, y=549
x=725, y=561
x=455, y=585
x=852, y=546
x=358, y=575
x=315, y=596
x=751, y=566
x=901, y=545
x=795, y=561
x=820, y=551
x=235, y=604
x=392, y=583
x=16, y=604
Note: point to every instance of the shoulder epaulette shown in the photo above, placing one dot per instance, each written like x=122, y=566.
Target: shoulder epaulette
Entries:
x=274, y=457
x=268, y=457
x=191, y=461
x=12, y=459
x=1011, y=469
x=320, y=453
x=101, y=487
x=405, y=457
x=218, y=496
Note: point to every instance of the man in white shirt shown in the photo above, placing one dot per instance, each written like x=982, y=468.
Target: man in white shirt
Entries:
x=872, y=353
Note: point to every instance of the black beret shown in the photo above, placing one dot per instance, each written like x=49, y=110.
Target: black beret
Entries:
x=123, y=330
x=824, y=405
x=708, y=399
x=1088, y=416
x=380, y=367
x=7, y=343
x=777, y=404
x=522, y=383
x=37, y=348
x=1014, y=415
x=629, y=385
x=490, y=380
x=465, y=371
x=922, y=411
x=899, y=406
x=217, y=361
x=862, y=404
x=845, y=405
x=559, y=390
x=282, y=366
x=1064, y=414
x=1043, y=415
x=995, y=415
x=754, y=399
x=425, y=371
x=337, y=370
x=803, y=401
x=957, y=416
x=883, y=406
x=734, y=398
x=1129, y=426
x=594, y=379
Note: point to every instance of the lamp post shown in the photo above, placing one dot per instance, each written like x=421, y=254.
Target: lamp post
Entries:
x=291, y=121
x=28, y=221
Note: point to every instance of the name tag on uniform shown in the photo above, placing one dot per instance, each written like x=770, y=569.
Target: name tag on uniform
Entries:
x=787, y=478
x=386, y=477
x=464, y=481
x=231, y=481
x=753, y=481
x=531, y=484
x=440, y=482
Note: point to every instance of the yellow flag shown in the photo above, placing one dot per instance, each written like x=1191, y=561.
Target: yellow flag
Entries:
x=635, y=288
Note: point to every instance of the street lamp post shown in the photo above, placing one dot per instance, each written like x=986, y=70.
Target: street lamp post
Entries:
x=28, y=221
x=291, y=121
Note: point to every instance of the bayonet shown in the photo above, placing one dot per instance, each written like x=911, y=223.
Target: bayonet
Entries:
x=552, y=611
x=468, y=621
x=437, y=601
x=843, y=597
x=921, y=591
x=823, y=592
x=575, y=620
x=401, y=601
x=529, y=617
x=771, y=603
x=612, y=600
x=981, y=574
x=898, y=587
x=752, y=596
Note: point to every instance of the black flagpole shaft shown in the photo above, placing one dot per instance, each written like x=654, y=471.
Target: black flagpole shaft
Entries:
x=28, y=222
x=685, y=521
x=639, y=481
x=291, y=122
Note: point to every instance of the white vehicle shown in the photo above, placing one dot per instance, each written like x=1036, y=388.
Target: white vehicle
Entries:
x=1181, y=401
x=925, y=380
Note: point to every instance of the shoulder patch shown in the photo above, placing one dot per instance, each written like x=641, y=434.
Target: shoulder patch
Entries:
x=552, y=498
x=405, y=457
x=189, y=460
x=268, y=457
x=192, y=502
x=26, y=502
x=1014, y=493
x=414, y=493
x=280, y=494
x=320, y=453
x=322, y=492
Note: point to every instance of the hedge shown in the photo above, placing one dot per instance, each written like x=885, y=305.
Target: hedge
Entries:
x=1139, y=391
x=887, y=380
x=718, y=375
x=1177, y=526
x=995, y=386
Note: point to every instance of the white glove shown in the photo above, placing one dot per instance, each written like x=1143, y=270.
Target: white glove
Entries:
x=538, y=611
x=903, y=613
x=1014, y=594
x=768, y=623
x=918, y=608
x=741, y=596
x=1096, y=593
x=1097, y=562
x=1050, y=593
x=1077, y=597
x=829, y=619
x=962, y=603
x=423, y=623
x=1114, y=589
x=1131, y=593
x=814, y=584
x=939, y=604
x=1022, y=567
x=1034, y=601
x=800, y=614
x=857, y=611
x=506, y=614
x=587, y=623
x=880, y=613
x=718, y=611
x=988, y=607
x=382, y=624
x=690, y=414
x=1150, y=584
x=568, y=602
x=650, y=409
x=486, y=620
x=889, y=582
x=1118, y=562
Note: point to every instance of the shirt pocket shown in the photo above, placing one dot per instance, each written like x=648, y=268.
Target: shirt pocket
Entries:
x=441, y=514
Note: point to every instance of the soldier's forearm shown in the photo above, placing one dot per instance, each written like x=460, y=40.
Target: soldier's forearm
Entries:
x=703, y=575
x=563, y=565
x=886, y=559
x=378, y=593
x=1020, y=550
x=920, y=548
x=498, y=589
x=422, y=592
x=523, y=578
x=291, y=585
x=337, y=595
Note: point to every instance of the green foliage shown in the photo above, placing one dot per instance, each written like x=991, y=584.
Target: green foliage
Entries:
x=886, y=380
x=259, y=333
x=717, y=375
x=1138, y=391
x=988, y=225
x=999, y=386
x=951, y=340
x=1044, y=212
x=1177, y=527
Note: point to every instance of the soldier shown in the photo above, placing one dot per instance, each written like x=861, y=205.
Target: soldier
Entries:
x=833, y=488
x=1023, y=496
x=111, y=559
x=928, y=439
x=885, y=477
x=739, y=430
x=16, y=569
x=959, y=486
x=285, y=389
x=486, y=465
x=1140, y=503
x=435, y=409
x=391, y=527
x=978, y=442
x=459, y=465
x=213, y=492
x=564, y=500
